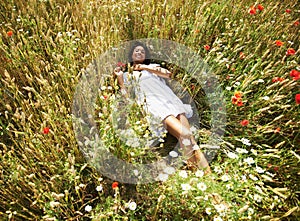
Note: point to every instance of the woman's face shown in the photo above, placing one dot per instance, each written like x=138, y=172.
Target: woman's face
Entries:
x=138, y=55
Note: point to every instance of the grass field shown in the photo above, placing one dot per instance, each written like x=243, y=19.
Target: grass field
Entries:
x=253, y=48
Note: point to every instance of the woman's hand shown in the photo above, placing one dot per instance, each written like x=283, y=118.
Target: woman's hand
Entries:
x=118, y=71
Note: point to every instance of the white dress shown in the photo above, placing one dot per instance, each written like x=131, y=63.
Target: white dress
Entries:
x=158, y=98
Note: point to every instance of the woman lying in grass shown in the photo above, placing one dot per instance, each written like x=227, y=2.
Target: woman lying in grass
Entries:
x=161, y=102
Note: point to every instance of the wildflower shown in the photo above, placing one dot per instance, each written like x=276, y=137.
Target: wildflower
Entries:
x=288, y=11
x=9, y=33
x=218, y=218
x=237, y=98
x=244, y=122
x=207, y=47
x=252, y=177
x=120, y=64
x=220, y=208
x=257, y=198
x=290, y=51
x=266, y=98
x=208, y=210
x=173, y=154
x=183, y=174
x=260, y=7
x=186, y=186
x=252, y=10
x=132, y=205
x=88, y=208
x=296, y=23
x=297, y=98
x=99, y=188
x=246, y=141
x=295, y=74
x=249, y=160
x=197, y=31
x=54, y=204
x=218, y=170
x=279, y=43
x=163, y=177
x=199, y=173
x=202, y=186
x=232, y=155
x=238, y=94
x=277, y=79
x=115, y=185
x=225, y=177
x=46, y=130
x=241, y=150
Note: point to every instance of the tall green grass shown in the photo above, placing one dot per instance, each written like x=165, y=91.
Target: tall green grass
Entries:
x=46, y=45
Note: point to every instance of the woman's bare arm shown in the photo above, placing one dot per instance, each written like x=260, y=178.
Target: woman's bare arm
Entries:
x=161, y=72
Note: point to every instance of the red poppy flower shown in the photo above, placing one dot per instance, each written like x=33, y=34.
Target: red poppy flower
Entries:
x=297, y=98
x=240, y=103
x=46, y=130
x=120, y=64
x=115, y=185
x=296, y=23
x=288, y=11
x=290, y=51
x=9, y=33
x=238, y=94
x=252, y=10
x=295, y=74
x=276, y=79
x=244, y=122
x=192, y=87
x=197, y=31
x=260, y=7
x=207, y=47
x=279, y=43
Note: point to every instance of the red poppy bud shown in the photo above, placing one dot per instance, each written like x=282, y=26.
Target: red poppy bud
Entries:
x=207, y=47
x=115, y=185
x=288, y=11
x=244, y=122
x=290, y=51
x=297, y=98
x=260, y=7
x=9, y=33
x=279, y=43
x=252, y=10
x=46, y=130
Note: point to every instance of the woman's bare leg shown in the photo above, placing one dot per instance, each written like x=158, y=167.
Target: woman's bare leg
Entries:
x=180, y=128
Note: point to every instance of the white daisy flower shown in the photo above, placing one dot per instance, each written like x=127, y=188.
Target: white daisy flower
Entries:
x=199, y=173
x=186, y=186
x=132, y=205
x=202, y=186
x=173, y=154
x=88, y=208
x=99, y=188
x=183, y=174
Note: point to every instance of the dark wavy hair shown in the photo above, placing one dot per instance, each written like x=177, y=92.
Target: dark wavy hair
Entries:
x=147, y=52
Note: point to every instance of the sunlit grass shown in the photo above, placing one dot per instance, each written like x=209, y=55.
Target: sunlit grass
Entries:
x=46, y=45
